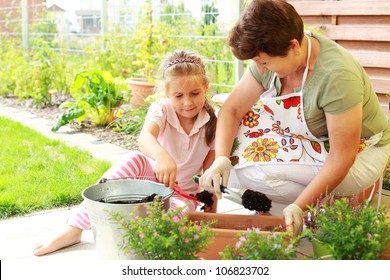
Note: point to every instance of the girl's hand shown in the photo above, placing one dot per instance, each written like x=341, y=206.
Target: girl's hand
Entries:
x=166, y=170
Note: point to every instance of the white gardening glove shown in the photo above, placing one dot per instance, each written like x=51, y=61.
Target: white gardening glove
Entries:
x=293, y=216
x=211, y=178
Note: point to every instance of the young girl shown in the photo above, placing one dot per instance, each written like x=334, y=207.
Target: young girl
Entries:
x=176, y=142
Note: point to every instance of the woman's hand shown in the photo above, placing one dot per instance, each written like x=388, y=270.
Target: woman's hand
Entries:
x=166, y=170
x=293, y=216
x=211, y=178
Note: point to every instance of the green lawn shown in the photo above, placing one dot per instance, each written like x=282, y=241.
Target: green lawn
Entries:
x=38, y=173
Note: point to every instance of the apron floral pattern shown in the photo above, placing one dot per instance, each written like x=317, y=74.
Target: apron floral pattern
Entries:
x=274, y=131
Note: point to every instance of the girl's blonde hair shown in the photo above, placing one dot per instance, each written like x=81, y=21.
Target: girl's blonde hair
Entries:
x=186, y=63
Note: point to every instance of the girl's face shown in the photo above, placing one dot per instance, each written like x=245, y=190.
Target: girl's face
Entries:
x=187, y=95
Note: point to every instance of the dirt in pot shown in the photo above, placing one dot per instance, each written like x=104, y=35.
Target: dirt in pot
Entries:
x=258, y=201
x=206, y=198
x=148, y=198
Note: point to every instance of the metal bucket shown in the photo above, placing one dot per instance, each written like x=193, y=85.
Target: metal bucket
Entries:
x=111, y=196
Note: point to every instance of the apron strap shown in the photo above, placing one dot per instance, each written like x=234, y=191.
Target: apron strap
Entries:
x=307, y=61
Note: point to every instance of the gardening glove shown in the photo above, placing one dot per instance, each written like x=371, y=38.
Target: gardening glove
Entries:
x=211, y=178
x=293, y=216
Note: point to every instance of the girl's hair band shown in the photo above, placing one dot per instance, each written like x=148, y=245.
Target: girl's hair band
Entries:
x=180, y=60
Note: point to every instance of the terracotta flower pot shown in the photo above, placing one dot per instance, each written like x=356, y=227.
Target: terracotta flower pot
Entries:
x=229, y=227
x=140, y=89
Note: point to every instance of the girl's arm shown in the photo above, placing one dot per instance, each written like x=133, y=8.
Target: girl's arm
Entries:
x=165, y=168
x=208, y=161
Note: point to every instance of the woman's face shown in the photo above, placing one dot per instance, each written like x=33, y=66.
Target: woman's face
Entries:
x=282, y=65
x=187, y=95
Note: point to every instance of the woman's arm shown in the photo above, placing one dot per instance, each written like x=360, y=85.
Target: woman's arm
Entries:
x=245, y=94
x=344, y=136
x=165, y=168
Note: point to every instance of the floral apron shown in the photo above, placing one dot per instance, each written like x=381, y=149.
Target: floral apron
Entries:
x=274, y=131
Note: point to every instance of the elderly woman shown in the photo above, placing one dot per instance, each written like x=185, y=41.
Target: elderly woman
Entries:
x=303, y=121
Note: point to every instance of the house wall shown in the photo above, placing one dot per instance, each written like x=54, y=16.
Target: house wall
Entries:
x=10, y=11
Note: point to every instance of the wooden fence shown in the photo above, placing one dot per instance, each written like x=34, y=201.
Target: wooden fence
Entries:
x=362, y=27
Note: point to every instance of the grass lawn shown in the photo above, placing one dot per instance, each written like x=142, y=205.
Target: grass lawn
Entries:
x=38, y=173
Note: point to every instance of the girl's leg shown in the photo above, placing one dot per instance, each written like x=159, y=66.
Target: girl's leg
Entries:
x=66, y=237
x=177, y=201
x=134, y=164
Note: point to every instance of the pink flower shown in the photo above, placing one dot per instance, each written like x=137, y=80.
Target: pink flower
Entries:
x=176, y=219
x=155, y=233
x=196, y=237
x=141, y=235
x=186, y=240
x=183, y=229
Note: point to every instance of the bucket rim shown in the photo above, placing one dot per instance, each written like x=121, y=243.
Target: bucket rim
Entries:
x=165, y=197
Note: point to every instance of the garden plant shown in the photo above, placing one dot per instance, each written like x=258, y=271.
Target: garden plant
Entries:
x=164, y=235
x=350, y=230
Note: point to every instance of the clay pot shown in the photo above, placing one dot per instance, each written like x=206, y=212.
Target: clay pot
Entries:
x=140, y=89
x=229, y=227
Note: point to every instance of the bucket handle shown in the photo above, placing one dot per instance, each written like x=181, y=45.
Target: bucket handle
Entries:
x=151, y=178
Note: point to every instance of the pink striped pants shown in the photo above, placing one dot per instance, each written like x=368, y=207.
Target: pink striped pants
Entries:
x=133, y=164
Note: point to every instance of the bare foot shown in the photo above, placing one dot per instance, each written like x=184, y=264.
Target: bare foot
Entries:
x=69, y=236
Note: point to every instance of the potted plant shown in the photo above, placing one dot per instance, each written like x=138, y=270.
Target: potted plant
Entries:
x=253, y=245
x=151, y=43
x=349, y=230
x=228, y=227
x=164, y=235
x=97, y=95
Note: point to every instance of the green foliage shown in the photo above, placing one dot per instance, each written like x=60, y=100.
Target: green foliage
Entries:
x=164, y=235
x=132, y=121
x=386, y=179
x=11, y=61
x=351, y=232
x=253, y=245
x=97, y=96
x=38, y=173
x=125, y=51
x=151, y=39
x=43, y=76
x=46, y=30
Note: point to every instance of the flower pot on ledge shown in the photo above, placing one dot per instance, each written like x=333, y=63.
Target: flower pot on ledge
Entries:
x=229, y=227
x=140, y=89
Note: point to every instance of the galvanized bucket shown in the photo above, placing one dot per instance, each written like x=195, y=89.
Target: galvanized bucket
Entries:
x=112, y=196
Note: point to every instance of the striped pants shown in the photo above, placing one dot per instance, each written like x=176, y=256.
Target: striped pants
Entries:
x=133, y=164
